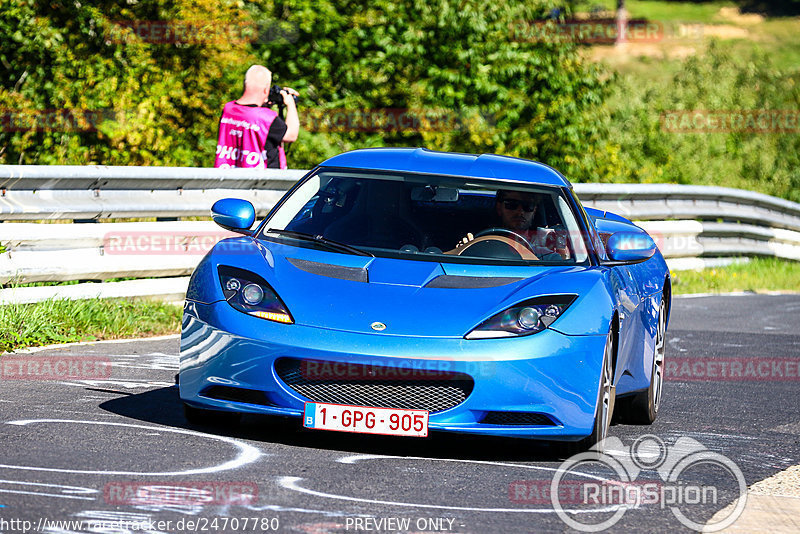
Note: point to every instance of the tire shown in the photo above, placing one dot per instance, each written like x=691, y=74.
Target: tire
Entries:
x=642, y=408
x=199, y=416
x=605, y=403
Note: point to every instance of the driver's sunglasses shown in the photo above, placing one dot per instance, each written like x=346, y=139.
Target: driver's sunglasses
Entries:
x=513, y=205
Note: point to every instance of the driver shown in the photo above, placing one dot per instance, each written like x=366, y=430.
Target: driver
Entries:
x=516, y=211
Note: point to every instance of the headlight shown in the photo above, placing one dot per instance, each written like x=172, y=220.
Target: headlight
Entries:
x=523, y=319
x=251, y=294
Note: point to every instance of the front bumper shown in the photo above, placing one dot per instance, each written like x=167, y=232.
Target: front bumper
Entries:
x=546, y=373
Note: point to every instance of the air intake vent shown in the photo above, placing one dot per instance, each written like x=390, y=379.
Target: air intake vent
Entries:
x=354, y=274
x=227, y=393
x=517, y=419
x=375, y=386
x=448, y=281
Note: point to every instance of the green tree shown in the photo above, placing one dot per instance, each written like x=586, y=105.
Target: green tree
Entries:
x=476, y=73
x=495, y=85
x=78, y=86
x=766, y=161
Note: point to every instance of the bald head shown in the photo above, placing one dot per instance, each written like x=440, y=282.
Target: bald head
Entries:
x=258, y=76
x=257, y=81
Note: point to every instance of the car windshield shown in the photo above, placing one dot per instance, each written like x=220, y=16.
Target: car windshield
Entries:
x=429, y=217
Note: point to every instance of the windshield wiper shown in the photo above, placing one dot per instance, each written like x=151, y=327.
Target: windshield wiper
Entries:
x=333, y=245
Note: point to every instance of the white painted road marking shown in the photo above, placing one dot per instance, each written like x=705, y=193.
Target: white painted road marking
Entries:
x=292, y=483
x=77, y=491
x=247, y=453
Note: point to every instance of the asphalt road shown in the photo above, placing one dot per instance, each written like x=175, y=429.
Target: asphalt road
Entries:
x=86, y=450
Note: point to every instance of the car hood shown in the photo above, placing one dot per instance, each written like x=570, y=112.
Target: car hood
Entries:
x=411, y=298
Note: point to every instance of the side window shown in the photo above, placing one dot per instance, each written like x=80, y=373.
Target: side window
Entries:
x=593, y=237
x=571, y=231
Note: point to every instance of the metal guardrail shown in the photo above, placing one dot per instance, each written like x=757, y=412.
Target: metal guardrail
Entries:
x=710, y=223
x=84, y=192
x=115, y=178
x=62, y=192
x=33, y=205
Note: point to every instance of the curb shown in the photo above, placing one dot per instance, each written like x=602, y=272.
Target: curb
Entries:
x=29, y=350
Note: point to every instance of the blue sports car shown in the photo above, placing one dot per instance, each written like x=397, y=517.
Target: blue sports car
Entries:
x=397, y=291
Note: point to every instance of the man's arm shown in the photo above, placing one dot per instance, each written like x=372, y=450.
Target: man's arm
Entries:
x=292, y=120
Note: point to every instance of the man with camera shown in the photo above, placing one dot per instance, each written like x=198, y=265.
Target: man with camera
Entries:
x=251, y=134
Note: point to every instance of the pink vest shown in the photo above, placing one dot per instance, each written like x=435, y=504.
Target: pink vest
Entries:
x=243, y=137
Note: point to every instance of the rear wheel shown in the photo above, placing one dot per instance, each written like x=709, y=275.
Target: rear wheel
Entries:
x=642, y=408
x=199, y=416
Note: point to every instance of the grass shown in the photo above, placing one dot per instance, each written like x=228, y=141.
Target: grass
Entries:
x=14, y=283
x=64, y=321
x=759, y=274
x=705, y=12
x=777, y=36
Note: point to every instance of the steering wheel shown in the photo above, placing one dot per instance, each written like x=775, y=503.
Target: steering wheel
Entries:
x=505, y=232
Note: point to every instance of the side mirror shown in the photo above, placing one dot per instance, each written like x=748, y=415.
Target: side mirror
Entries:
x=630, y=247
x=234, y=214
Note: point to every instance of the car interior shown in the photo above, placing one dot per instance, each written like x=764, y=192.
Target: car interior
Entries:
x=403, y=216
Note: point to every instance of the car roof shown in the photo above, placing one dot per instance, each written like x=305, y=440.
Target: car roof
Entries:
x=422, y=160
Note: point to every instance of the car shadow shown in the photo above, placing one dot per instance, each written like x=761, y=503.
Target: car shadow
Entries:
x=163, y=406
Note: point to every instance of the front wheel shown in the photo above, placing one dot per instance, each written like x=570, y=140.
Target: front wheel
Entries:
x=642, y=408
x=605, y=403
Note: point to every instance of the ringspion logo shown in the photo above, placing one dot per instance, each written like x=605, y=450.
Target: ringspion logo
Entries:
x=602, y=484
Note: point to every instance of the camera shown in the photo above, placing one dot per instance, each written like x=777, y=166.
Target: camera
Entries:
x=275, y=96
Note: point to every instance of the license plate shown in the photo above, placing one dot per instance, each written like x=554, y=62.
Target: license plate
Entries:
x=365, y=420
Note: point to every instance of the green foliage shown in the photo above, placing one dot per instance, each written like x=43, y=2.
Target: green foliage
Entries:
x=764, y=161
x=158, y=102
x=129, y=101
x=467, y=64
x=62, y=321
